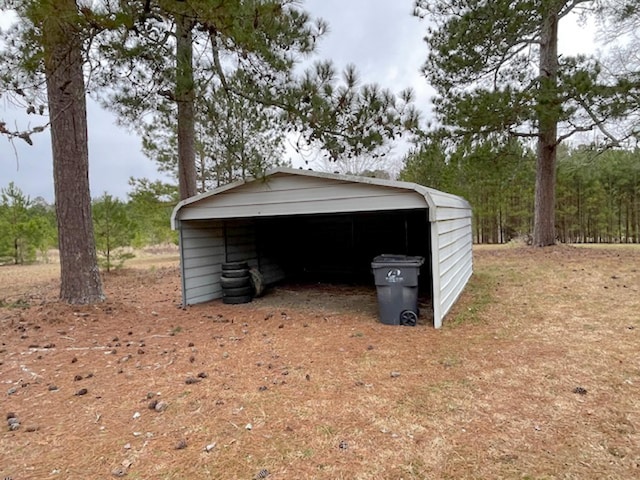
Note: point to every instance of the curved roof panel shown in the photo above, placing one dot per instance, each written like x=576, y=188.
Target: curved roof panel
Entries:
x=288, y=191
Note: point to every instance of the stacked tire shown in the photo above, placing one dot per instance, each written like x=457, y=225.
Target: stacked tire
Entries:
x=236, y=283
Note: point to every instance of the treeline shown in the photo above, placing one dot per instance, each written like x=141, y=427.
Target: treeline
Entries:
x=28, y=227
x=598, y=197
x=597, y=200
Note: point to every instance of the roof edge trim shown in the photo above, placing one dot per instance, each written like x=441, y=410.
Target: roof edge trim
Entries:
x=426, y=192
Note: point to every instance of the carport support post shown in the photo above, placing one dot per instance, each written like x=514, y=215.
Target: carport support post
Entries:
x=182, y=279
x=435, y=274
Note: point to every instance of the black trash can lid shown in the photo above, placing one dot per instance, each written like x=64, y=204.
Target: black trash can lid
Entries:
x=387, y=260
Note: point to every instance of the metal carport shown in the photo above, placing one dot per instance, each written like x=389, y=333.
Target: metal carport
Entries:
x=320, y=224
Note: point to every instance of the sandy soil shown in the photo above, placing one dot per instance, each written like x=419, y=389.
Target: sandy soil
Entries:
x=534, y=375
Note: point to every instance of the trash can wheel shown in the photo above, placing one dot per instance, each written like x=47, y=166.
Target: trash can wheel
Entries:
x=408, y=318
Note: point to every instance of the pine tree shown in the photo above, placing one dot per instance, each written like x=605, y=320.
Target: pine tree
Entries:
x=113, y=230
x=46, y=46
x=496, y=68
x=258, y=44
x=21, y=231
x=234, y=138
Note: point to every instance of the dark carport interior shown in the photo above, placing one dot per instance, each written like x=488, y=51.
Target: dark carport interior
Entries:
x=339, y=248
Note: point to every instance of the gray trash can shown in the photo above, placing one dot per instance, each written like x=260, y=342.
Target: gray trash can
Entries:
x=396, y=278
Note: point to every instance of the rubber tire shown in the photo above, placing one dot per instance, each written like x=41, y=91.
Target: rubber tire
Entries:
x=237, y=299
x=238, y=292
x=257, y=281
x=235, y=266
x=408, y=318
x=234, y=282
x=238, y=273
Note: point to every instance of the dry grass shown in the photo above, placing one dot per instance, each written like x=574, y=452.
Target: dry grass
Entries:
x=491, y=395
x=25, y=281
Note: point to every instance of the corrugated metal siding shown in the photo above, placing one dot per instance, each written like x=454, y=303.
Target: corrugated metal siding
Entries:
x=202, y=252
x=243, y=244
x=240, y=242
x=208, y=244
x=453, y=260
x=287, y=195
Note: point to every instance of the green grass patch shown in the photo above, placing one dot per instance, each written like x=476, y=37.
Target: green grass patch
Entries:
x=19, y=303
x=477, y=295
x=608, y=246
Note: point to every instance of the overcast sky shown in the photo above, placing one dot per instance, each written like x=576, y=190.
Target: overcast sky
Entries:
x=380, y=37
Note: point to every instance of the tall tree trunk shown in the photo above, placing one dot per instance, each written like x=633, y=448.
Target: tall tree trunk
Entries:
x=79, y=274
x=185, y=87
x=548, y=112
x=202, y=170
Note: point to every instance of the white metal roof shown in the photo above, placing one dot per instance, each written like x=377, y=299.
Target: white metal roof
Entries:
x=392, y=195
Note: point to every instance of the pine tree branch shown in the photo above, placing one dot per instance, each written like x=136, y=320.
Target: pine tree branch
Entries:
x=523, y=134
x=570, y=7
x=216, y=60
x=509, y=55
x=572, y=132
x=598, y=123
x=267, y=102
x=22, y=134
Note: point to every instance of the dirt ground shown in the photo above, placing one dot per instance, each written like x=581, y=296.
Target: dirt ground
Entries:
x=534, y=375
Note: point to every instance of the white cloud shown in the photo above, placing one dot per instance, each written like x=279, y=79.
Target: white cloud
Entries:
x=576, y=36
